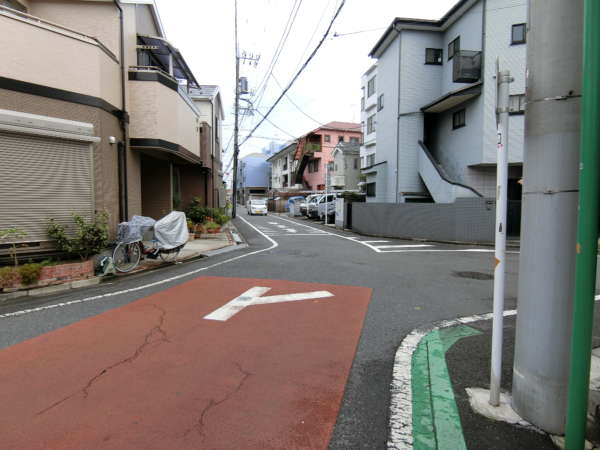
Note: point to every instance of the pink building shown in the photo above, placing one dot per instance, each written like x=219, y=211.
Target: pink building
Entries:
x=330, y=134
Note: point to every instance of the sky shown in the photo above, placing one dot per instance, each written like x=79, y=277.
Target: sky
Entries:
x=327, y=90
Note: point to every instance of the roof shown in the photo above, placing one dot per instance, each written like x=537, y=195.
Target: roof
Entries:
x=160, y=49
x=208, y=92
x=453, y=98
x=400, y=23
x=340, y=126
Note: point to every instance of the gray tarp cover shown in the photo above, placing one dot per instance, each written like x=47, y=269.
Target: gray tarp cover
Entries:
x=171, y=231
x=134, y=230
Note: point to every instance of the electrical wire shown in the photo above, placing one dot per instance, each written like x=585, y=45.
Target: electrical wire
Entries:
x=312, y=55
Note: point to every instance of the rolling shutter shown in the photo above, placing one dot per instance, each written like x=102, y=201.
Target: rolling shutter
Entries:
x=43, y=178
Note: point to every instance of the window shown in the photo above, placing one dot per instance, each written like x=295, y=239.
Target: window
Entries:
x=453, y=48
x=340, y=138
x=458, y=119
x=355, y=166
x=433, y=56
x=516, y=104
x=327, y=138
x=380, y=102
x=362, y=104
x=371, y=87
x=371, y=124
x=370, y=189
x=518, y=34
x=354, y=140
x=370, y=159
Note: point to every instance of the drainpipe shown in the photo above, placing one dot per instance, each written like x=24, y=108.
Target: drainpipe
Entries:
x=396, y=173
x=124, y=122
x=587, y=231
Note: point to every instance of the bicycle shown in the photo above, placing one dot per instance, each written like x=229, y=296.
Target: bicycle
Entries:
x=127, y=256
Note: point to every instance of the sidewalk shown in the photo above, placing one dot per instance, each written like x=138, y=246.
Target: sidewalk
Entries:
x=439, y=364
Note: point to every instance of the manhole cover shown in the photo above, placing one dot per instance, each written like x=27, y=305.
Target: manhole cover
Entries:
x=474, y=275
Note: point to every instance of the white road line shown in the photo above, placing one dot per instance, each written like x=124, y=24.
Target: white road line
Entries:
x=272, y=223
x=404, y=246
x=373, y=242
x=290, y=230
x=146, y=286
x=300, y=234
x=401, y=419
x=400, y=434
x=281, y=226
x=437, y=250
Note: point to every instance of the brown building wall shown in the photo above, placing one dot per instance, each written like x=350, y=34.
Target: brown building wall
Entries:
x=106, y=185
x=157, y=198
x=193, y=184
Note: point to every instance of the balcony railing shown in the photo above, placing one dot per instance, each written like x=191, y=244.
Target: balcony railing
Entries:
x=466, y=66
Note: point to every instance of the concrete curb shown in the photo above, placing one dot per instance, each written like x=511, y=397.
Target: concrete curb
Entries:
x=229, y=248
x=37, y=292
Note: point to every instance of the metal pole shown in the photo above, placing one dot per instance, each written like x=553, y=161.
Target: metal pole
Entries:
x=504, y=79
x=326, y=190
x=236, y=149
x=587, y=231
x=551, y=163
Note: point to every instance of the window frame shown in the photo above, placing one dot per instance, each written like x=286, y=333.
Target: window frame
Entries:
x=371, y=124
x=512, y=34
x=371, y=189
x=432, y=62
x=354, y=140
x=340, y=138
x=457, y=114
x=371, y=86
x=327, y=138
x=379, y=102
x=455, y=45
x=521, y=104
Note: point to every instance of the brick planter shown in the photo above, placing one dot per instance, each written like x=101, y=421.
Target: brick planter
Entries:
x=62, y=273
x=59, y=274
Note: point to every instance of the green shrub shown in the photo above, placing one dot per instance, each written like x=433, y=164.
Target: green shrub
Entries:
x=212, y=226
x=30, y=273
x=88, y=238
x=9, y=276
x=201, y=214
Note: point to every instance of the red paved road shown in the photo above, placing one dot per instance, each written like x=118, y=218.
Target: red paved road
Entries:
x=155, y=375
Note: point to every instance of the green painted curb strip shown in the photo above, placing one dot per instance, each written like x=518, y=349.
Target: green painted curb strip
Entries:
x=436, y=421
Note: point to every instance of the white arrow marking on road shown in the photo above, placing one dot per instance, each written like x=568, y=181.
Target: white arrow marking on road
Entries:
x=290, y=230
x=253, y=296
x=272, y=223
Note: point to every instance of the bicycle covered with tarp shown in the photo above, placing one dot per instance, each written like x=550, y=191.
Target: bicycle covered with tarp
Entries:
x=144, y=237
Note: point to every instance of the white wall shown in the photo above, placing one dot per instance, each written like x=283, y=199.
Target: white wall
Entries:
x=500, y=16
x=469, y=28
x=388, y=66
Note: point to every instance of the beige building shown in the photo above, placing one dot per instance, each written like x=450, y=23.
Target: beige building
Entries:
x=99, y=111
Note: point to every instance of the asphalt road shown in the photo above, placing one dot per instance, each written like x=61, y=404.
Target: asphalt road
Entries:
x=411, y=286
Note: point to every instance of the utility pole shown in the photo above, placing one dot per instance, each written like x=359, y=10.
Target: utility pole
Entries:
x=551, y=166
x=236, y=128
x=503, y=79
x=236, y=149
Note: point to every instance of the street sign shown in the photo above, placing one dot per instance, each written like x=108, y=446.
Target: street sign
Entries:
x=254, y=296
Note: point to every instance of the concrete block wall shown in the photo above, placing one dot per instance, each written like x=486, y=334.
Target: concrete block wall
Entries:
x=466, y=220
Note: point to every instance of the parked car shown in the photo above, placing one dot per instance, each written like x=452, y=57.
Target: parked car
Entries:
x=304, y=205
x=294, y=199
x=313, y=206
x=327, y=206
x=257, y=206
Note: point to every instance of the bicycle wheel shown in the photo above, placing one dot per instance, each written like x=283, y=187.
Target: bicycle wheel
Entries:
x=170, y=255
x=126, y=257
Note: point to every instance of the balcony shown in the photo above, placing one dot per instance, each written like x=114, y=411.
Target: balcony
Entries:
x=163, y=117
x=42, y=53
x=466, y=66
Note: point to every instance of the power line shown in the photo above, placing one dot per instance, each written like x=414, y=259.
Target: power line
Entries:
x=312, y=36
x=280, y=129
x=299, y=72
x=336, y=34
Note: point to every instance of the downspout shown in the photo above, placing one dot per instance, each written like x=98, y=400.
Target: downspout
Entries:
x=587, y=231
x=396, y=172
x=124, y=122
x=212, y=154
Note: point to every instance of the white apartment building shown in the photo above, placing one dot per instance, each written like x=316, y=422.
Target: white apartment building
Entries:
x=370, y=103
x=436, y=132
x=283, y=166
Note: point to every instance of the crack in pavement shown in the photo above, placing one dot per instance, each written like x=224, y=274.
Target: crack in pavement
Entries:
x=148, y=339
x=199, y=426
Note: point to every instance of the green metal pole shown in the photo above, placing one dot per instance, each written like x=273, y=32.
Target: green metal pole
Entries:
x=587, y=231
